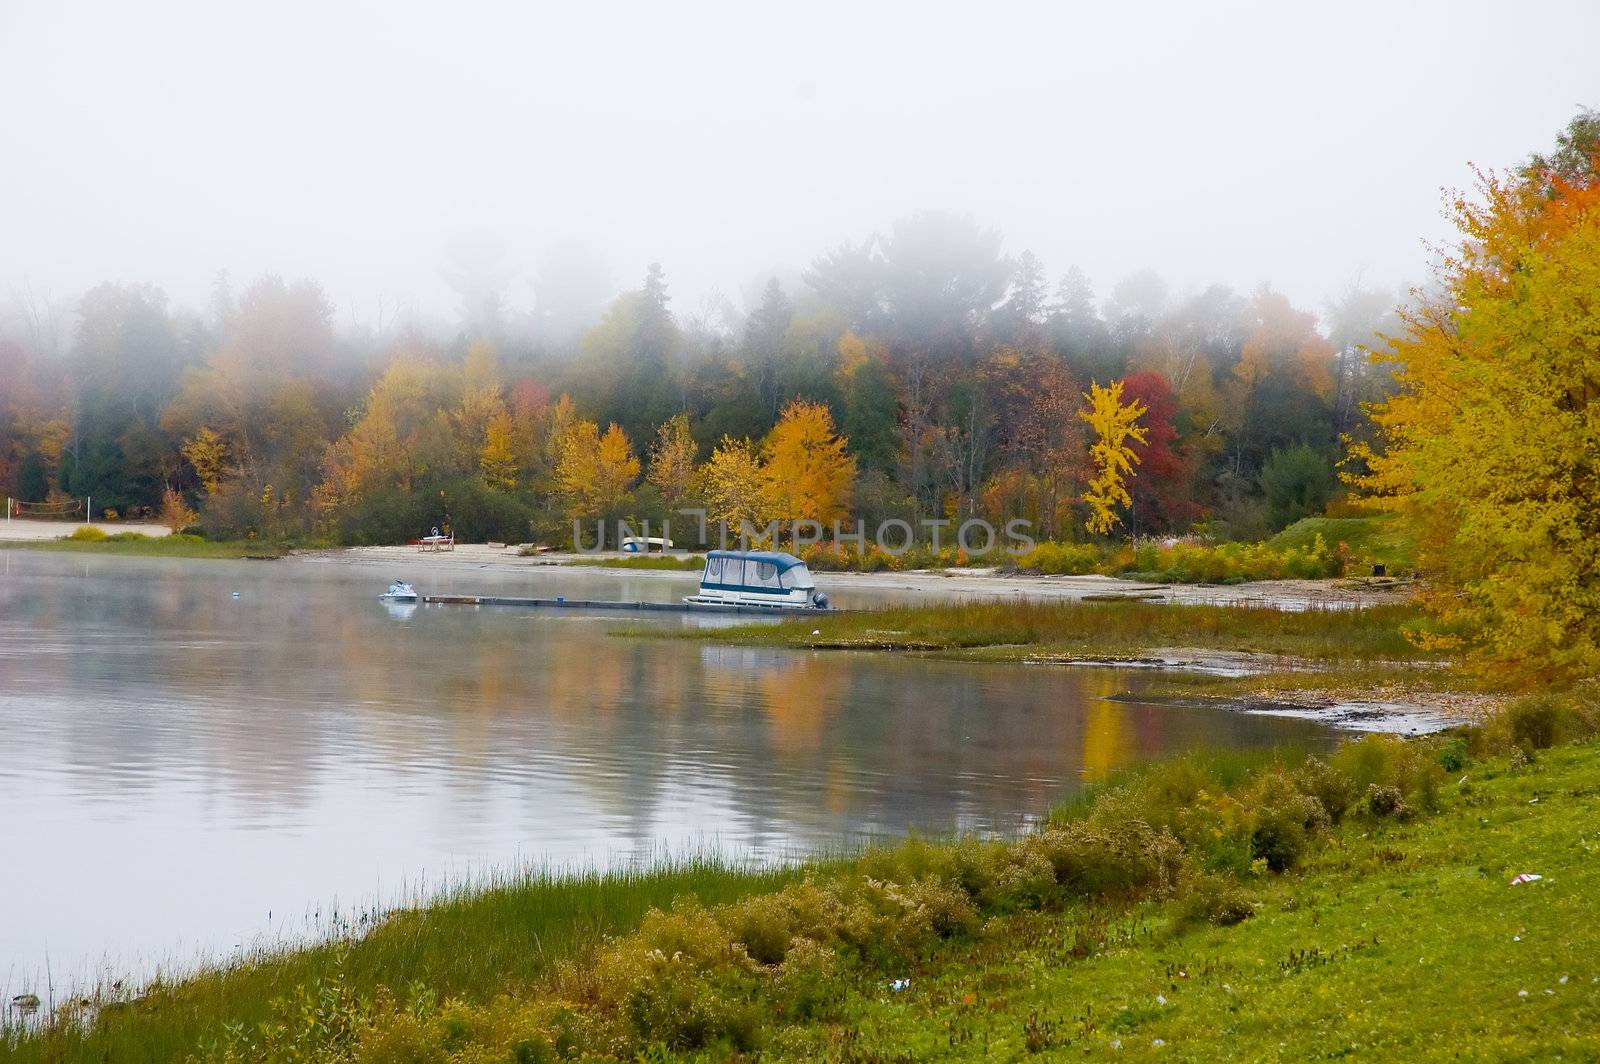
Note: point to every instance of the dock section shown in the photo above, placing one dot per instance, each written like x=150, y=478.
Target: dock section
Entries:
x=562, y=603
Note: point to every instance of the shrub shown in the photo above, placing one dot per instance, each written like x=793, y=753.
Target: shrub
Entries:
x=1217, y=830
x=1365, y=761
x=1453, y=754
x=88, y=534
x=1285, y=819
x=1385, y=801
x=1335, y=791
x=1126, y=859
x=1535, y=721
x=1212, y=899
x=806, y=987
x=762, y=925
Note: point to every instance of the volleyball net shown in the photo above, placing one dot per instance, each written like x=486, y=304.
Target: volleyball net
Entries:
x=58, y=510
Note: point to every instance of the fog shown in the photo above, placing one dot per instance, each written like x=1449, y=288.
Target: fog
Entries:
x=391, y=150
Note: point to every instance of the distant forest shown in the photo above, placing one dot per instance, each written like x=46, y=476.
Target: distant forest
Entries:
x=920, y=373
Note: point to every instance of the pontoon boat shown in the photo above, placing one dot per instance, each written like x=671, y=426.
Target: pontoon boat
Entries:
x=763, y=578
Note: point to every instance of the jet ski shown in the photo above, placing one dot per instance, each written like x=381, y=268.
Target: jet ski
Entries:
x=399, y=591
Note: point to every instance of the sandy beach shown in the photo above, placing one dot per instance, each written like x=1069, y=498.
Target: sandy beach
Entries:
x=22, y=528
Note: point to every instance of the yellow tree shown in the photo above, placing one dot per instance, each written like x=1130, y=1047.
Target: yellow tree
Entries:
x=497, y=460
x=207, y=452
x=809, y=476
x=595, y=470
x=1488, y=451
x=672, y=460
x=404, y=434
x=733, y=485
x=1115, y=423
x=481, y=398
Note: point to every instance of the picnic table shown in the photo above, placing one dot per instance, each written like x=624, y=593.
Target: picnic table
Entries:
x=437, y=542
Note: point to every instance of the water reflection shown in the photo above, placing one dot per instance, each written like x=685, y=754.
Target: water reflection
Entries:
x=176, y=763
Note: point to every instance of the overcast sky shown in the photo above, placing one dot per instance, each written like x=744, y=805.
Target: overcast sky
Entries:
x=1304, y=144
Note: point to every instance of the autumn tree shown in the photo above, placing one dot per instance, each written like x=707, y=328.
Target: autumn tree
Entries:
x=403, y=438
x=207, y=454
x=265, y=389
x=734, y=485
x=810, y=476
x=672, y=460
x=1488, y=450
x=1115, y=424
x=1162, y=498
x=596, y=470
x=176, y=514
x=497, y=459
x=1050, y=443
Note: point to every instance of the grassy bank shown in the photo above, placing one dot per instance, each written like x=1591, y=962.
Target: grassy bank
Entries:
x=1207, y=908
x=135, y=544
x=1376, y=538
x=472, y=943
x=674, y=562
x=1014, y=630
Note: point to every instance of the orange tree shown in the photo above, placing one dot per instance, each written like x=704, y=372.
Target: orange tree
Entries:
x=1490, y=451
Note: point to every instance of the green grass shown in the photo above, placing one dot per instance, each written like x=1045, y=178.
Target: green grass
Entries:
x=1405, y=942
x=134, y=544
x=677, y=562
x=1014, y=630
x=473, y=942
x=1379, y=538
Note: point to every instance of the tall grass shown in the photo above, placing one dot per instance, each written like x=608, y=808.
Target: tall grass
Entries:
x=675, y=562
x=1112, y=629
x=92, y=540
x=472, y=941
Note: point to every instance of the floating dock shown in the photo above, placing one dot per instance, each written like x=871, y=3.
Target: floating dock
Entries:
x=607, y=604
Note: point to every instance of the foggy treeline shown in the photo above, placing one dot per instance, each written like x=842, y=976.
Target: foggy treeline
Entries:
x=953, y=369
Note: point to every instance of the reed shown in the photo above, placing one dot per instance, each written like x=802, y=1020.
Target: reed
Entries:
x=1019, y=629
x=475, y=939
x=674, y=562
x=91, y=540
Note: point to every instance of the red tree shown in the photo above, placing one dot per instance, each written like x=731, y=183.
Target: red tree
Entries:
x=1161, y=489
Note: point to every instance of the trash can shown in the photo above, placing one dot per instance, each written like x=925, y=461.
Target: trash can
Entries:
x=1378, y=569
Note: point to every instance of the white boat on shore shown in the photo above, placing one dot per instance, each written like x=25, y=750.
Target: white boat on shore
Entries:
x=760, y=578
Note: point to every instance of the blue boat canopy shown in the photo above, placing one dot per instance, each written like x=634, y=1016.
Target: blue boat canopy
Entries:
x=781, y=559
x=764, y=572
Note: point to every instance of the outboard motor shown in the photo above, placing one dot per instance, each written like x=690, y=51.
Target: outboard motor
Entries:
x=819, y=600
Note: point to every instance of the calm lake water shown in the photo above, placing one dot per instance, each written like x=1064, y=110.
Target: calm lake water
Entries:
x=183, y=772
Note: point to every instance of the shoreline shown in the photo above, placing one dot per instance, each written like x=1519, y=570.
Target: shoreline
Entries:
x=1087, y=935
x=974, y=583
